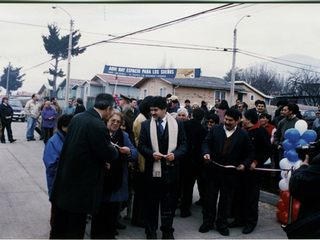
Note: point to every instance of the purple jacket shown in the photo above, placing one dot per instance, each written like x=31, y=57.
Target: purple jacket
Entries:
x=46, y=114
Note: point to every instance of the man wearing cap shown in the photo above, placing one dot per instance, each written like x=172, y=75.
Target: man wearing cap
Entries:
x=248, y=189
x=126, y=108
x=6, y=113
x=163, y=143
x=175, y=104
x=225, y=144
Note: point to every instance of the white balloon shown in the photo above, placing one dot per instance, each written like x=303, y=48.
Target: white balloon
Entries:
x=301, y=126
x=286, y=164
x=284, y=184
x=297, y=164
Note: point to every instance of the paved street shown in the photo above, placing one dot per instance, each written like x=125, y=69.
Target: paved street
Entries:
x=25, y=209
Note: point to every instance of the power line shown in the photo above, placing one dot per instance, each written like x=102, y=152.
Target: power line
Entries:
x=36, y=65
x=284, y=60
x=288, y=65
x=159, y=26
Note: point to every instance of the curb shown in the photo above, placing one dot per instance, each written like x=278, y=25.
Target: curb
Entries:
x=269, y=198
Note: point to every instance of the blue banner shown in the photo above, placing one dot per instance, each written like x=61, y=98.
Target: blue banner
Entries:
x=153, y=72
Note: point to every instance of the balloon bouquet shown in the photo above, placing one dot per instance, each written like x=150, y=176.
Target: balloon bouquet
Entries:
x=299, y=135
x=117, y=99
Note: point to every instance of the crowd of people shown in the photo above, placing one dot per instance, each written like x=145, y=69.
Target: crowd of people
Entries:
x=139, y=155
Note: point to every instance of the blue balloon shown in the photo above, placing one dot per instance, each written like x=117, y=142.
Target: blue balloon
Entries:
x=300, y=142
x=287, y=145
x=309, y=136
x=292, y=155
x=285, y=154
x=292, y=135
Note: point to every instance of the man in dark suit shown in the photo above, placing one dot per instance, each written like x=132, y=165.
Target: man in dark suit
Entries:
x=163, y=144
x=192, y=166
x=6, y=114
x=226, y=145
x=78, y=185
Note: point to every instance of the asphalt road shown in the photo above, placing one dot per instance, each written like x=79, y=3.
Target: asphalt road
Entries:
x=25, y=209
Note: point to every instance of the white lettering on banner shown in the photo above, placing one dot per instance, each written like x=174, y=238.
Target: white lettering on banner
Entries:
x=167, y=71
x=131, y=70
x=122, y=69
x=113, y=68
x=146, y=71
x=155, y=71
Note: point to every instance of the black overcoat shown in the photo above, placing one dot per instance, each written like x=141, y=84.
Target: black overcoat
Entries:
x=241, y=151
x=79, y=180
x=171, y=173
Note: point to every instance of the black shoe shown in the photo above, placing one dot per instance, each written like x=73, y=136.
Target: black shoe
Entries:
x=151, y=236
x=13, y=140
x=247, y=230
x=185, y=214
x=120, y=226
x=235, y=224
x=167, y=235
x=3, y=141
x=116, y=233
x=41, y=138
x=223, y=231
x=32, y=139
x=199, y=202
x=205, y=228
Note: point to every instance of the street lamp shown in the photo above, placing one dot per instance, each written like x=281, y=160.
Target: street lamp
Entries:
x=8, y=73
x=233, y=74
x=69, y=56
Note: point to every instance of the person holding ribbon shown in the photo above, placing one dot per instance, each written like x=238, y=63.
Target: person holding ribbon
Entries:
x=248, y=190
x=163, y=143
x=226, y=144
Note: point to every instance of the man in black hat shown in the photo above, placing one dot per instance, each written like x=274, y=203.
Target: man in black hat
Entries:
x=248, y=190
x=126, y=108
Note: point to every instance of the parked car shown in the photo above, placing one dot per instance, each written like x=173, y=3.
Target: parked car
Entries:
x=18, y=110
x=309, y=116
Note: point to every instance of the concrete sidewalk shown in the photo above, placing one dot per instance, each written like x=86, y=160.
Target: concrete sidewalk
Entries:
x=25, y=209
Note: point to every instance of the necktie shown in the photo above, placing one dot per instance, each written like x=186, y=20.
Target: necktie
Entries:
x=160, y=126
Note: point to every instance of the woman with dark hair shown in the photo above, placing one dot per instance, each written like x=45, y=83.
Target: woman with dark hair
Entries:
x=221, y=110
x=138, y=216
x=115, y=189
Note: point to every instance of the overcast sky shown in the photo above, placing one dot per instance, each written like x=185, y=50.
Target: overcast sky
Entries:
x=272, y=30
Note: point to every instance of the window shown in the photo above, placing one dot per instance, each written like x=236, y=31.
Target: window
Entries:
x=252, y=97
x=163, y=92
x=143, y=93
x=220, y=94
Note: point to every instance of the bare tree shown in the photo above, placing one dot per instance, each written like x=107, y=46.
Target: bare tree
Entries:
x=305, y=82
x=265, y=80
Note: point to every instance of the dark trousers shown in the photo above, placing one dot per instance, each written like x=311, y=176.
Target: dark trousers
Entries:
x=159, y=191
x=200, y=182
x=68, y=225
x=9, y=131
x=103, y=225
x=185, y=191
x=138, y=211
x=247, y=198
x=213, y=188
x=48, y=133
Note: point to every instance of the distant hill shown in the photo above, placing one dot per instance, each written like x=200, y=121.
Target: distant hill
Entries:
x=296, y=60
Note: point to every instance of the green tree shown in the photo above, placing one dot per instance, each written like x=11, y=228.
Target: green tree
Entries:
x=15, y=79
x=57, y=47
